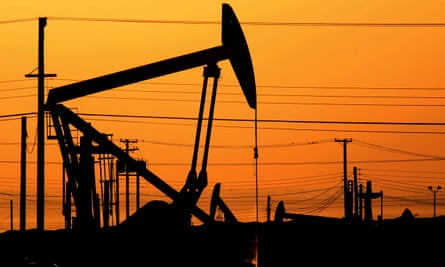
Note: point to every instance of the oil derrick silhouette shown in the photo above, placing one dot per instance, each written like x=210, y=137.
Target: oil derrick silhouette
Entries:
x=364, y=197
x=217, y=202
x=78, y=159
x=281, y=214
x=367, y=197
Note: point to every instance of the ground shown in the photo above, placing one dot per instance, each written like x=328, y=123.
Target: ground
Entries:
x=301, y=241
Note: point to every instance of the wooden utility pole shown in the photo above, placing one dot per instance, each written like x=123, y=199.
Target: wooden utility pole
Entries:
x=23, y=177
x=127, y=176
x=41, y=125
x=11, y=214
x=347, y=208
x=355, y=193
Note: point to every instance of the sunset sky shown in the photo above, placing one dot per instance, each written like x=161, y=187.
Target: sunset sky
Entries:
x=371, y=71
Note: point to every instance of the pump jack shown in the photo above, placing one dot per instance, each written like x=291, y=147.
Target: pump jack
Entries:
x=78, y=161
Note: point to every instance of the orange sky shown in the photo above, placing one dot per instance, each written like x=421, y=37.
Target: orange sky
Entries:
x=307, y=77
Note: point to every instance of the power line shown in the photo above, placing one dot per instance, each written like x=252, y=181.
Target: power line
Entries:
x=281, y=102
x=17, y=20
x=273, y=86
x=388, y=149
x=409, y=171
x=276, y=128
x=17, y=88
x=258, y=23
x=312, y=87
x=276, y=163
x=296, y=163
x=19, y=96
x=349, y=130
x=346, y=24
x=276, y=102
x=269, y=120
x=293, y=144
x=259, y=94
x=18, y=115
x=250, y=23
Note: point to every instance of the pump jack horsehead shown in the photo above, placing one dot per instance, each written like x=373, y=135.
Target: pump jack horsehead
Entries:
x=78, y=159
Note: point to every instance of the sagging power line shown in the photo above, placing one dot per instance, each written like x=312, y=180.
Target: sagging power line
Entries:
x=249, y=23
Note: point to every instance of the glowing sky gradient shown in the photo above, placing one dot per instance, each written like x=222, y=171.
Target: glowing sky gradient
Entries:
x=366, y=62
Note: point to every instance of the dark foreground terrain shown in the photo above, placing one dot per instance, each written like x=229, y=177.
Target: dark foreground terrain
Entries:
x=307, y=241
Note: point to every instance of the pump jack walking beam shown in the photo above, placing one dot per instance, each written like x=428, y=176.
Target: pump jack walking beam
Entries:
x=234, y=47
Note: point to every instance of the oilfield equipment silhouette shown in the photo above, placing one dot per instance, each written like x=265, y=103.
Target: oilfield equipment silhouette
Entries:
x=83, y=148
x=79, y=157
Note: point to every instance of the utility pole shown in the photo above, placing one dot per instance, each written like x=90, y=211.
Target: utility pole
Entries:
x=381, y=205
x=41, y=125
x=355, y=193
x=138, y=192
x=11, y=214
x=347, y=207
x=23, y=177
x=434, y=190
x=127, y=175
